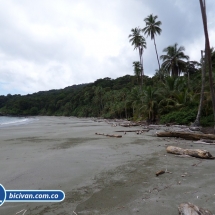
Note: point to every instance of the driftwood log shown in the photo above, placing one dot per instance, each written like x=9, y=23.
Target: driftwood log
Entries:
x=195, y=128
x=160, y=172
x=190, y=209
x=142, y=130
x=206, y=142
x=198, y=153
x=130, y=124
x=109, y=135
x=186, y=135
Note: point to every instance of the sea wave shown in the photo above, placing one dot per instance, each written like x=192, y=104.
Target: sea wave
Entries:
x=7, y=121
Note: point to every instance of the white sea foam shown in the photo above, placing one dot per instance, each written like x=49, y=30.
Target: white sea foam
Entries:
x=7, y=121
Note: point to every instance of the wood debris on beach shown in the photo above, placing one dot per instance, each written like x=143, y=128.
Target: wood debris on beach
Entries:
x=109, y=135
x=190, y=209
x=140, y=131
x=186, y=135
x=160, y=172
x=205, y=141
x=198, y=153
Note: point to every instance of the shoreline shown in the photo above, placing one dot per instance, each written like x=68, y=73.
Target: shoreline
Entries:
x=101, y=175
x=19, y=121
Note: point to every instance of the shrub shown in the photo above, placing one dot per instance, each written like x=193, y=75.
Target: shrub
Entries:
x=181, y=117
x=207, y=120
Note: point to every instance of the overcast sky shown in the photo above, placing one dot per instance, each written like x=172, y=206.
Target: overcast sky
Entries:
x=52, y=44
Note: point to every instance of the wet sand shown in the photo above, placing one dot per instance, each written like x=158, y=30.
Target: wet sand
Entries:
x=101, y=175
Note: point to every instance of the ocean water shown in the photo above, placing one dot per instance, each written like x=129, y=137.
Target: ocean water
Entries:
x=7, y=121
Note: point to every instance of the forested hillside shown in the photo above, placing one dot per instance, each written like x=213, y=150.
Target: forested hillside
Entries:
x=162, y=97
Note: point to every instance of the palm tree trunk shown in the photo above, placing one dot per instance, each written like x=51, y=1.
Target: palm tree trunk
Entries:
x=141, y=72
x=126, y=115
x=157, y=54
x=133, y=109
x=197, y=121
x=188, y=80
x=175, y=71
x=208, y=55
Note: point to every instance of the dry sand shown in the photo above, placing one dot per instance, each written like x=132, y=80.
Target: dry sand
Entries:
x=101, y=175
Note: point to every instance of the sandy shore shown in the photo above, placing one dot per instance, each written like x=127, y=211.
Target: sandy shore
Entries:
x=101, y=175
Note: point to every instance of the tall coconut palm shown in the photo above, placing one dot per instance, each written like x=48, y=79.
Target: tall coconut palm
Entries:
x=139, y=42
x=135, y=102
x=137, y=69
x=150, y=99
x=208, y=53
x=152, y=28
x=197, y=121
x=174, y=58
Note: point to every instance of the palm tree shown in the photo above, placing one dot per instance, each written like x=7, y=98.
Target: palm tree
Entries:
x=191, y=67
x=152, y=28
x=197, y=120
x=134, y=100
x=208, y=53
x=213, y=57
x=161, y=74
x=137, y=69
x=173, y=61
x=150, y=99
x=139, y=42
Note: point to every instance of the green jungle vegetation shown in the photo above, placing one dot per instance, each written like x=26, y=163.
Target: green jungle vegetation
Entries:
x=172, y=95
x=165, y=98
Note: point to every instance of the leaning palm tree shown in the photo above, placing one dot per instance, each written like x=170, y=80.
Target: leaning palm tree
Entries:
x=139, y=42
x=152, y=28
x=174, y=58
x=208, y=53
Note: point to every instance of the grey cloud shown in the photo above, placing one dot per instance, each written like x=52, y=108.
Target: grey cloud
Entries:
x=48, y=44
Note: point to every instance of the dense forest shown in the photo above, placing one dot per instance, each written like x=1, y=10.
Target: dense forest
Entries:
x=163, y=97
x=181, y=91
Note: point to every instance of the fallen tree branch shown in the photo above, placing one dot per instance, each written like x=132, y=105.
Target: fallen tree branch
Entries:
x=198, y=153
x=196, y=164
x=166, y=187
x=186, y=135
x=190, y=209
x=109, y=135
x=24, y=211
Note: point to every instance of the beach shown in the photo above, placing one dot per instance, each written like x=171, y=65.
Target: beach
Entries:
x=99, y=174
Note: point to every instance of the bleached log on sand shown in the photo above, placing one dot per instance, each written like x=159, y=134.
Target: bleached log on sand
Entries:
x=198, y=153
x=190, y=209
